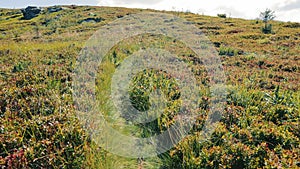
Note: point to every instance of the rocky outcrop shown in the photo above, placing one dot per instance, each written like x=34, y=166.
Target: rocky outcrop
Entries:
x=30, y=12
x=54, y=9
x=91, y=20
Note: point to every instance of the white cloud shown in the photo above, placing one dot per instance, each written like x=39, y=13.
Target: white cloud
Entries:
x=285, y=3
x=292, y=4
x=241, y=8
x=290, y=15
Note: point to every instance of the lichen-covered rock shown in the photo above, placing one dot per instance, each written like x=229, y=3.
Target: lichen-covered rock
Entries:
x=30, y=12
x=54, y=9
x=91, y=20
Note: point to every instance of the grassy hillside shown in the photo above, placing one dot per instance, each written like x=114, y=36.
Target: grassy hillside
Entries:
x=38, y=127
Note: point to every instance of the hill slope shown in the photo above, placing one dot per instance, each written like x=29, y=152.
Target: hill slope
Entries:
x=259, y=127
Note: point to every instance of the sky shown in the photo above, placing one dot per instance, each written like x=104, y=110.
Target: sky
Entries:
x=285, y=10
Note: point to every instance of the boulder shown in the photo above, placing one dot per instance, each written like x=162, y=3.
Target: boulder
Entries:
x=91, y=20
x=54, y=9
x=30, y=12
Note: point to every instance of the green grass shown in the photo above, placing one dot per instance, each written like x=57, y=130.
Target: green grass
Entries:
x=39, y=128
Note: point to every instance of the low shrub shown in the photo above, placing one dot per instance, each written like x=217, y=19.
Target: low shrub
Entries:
x=267, y=29
x=222, y=15
x=228, y=51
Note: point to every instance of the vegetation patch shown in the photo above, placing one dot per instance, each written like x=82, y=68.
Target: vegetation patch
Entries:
x=259, y=127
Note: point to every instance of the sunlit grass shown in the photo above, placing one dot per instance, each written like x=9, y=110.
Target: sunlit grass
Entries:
x=39, y=127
